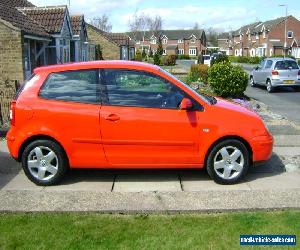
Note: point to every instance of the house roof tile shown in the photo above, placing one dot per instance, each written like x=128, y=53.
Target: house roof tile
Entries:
x=50, y=17
x=77, y=22
x=10, y=14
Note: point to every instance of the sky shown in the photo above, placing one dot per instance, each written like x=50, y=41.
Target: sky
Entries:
x=181, y=14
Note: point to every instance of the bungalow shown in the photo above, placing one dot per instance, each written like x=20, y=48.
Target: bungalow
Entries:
x=114, y=46
x=33, y=36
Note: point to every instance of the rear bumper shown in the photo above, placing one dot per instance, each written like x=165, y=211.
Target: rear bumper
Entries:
x=262, y=147
x=12, y=143
x=280, y=82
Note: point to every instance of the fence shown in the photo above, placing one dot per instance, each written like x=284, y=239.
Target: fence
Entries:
x=7, y=91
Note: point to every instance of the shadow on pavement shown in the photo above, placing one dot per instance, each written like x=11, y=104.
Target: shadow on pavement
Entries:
x=270, y=168
x=280, y=89
x=9, y=168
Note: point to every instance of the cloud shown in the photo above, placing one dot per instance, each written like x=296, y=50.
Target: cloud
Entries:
x=221, y=17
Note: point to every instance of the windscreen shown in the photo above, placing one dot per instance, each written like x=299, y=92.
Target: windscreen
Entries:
x=286, y=64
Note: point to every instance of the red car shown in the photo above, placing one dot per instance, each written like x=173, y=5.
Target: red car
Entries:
x=120, y=114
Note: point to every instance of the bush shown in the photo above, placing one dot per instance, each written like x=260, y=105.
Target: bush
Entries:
x=156, y=59
x=227, y=80
x=138, y=55
x=170, y=60
x=220, y=58
x=198, y=72
x=183, y=57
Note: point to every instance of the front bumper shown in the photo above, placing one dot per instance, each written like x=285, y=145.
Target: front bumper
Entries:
x=262, y=147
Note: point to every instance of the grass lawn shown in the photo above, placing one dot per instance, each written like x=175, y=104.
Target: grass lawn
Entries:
x=103, y=231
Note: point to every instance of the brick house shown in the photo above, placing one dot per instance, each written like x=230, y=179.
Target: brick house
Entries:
x=35, y=36
x=174, y=42
x=263, y=38
x=114, y=46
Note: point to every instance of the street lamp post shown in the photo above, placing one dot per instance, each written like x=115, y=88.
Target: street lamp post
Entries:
x=285, y=21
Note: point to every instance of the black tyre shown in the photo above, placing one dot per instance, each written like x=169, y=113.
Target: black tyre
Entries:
x=252, y=82
x=270, y=87
x=44, y=162
x=228, y=162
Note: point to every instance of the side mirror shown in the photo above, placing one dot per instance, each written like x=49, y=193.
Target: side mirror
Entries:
x=186, y=104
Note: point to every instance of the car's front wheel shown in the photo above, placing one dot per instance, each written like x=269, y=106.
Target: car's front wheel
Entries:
x=228, y=162
x=44, y=162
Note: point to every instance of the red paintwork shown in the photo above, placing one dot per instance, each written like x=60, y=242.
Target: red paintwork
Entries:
x=130, y=137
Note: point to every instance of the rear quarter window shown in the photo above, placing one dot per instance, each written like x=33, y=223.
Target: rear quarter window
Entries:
x=287, y=64
x=75, y=86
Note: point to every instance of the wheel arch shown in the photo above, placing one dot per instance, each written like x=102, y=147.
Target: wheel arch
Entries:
x=228, y=137
x=38, y=137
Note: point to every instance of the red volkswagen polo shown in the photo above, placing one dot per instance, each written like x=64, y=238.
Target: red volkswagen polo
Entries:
x=120, y=114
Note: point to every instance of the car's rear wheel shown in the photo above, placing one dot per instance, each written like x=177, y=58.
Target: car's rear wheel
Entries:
x=228, y=162
x=252, y=82
x=44, y=162
x=270, y=87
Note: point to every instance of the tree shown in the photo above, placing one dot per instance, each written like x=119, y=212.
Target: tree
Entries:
x=160, y=49
x=140, y=23
x=102, y=23
x=196, y=26
x=212, y=36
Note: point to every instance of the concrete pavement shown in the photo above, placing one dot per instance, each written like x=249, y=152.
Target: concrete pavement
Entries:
x=266, y=186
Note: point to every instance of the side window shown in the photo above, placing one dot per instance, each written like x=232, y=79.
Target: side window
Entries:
x=76, y=86
x=269, y=64
x=262, y=64
x=138, y=88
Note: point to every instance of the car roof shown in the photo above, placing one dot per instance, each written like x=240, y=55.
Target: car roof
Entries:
x=279, y=58
x=97, y=64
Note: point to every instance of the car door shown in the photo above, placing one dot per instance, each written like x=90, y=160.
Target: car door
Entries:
x=141, y=124
x=69, y=107
x=258, y=72
x=266, y=71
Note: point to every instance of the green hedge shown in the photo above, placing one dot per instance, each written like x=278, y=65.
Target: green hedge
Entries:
x=245, y=59
x=227, y=80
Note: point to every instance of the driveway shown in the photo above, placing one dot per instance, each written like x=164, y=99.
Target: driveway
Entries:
x=152, y=190
x=285, y=101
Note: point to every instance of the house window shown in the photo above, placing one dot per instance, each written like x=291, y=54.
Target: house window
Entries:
x=165, y=41
x=193, y=40
x=180, y=41
x=290, y=34
x=241, y=37
x=180, y=51
x=264, y=34
x=236, y=52
x=138, y=42
x=257, y=37
x=153, y=41
x=249, y=37
x=164, y=52
x=193, y=52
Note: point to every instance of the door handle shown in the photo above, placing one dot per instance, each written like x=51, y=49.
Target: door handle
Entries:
x=112, y=117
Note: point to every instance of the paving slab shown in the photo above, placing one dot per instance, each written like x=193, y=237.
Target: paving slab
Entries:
x=17, y=182
x=287, y=140
x=85, y=180
x=287, y=151
x=196, y=182
x=266, y=181
x=164, y=182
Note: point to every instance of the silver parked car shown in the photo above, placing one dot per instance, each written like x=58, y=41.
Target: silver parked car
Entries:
x=274, y=72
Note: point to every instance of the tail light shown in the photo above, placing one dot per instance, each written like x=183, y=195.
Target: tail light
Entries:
x=12, y=113
x=275, y=73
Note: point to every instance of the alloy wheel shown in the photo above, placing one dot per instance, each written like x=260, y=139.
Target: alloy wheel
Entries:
x=42, y=163
x=228, y=162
